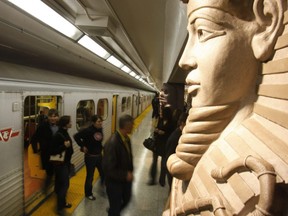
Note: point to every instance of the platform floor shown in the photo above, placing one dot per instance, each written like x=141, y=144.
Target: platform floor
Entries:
x=146, y=200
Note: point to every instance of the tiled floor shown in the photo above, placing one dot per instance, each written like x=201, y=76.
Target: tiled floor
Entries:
x=146, y=200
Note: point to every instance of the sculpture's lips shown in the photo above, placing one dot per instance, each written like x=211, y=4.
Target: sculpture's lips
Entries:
x=192, y=89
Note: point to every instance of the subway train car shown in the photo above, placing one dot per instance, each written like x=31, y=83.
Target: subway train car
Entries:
x=25, y=92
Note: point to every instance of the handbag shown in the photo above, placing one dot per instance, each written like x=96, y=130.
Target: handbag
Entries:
x=58, y=157
x=149, y=143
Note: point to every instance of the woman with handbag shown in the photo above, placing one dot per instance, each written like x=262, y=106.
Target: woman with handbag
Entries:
x=161, y=133
x=62, y=145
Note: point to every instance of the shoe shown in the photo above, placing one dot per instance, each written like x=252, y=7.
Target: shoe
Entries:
x=61, y=212
x=68, y=205
x=162, y=183
x=151, y=182
x=91, y=197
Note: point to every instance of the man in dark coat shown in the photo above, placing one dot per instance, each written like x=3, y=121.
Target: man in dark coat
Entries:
x=118, y=167
x=43, y=135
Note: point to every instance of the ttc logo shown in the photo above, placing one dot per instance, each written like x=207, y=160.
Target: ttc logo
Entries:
x=5, y=134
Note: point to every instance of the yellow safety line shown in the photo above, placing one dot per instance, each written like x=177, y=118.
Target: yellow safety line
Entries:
x=76, y=190
x=139, y=119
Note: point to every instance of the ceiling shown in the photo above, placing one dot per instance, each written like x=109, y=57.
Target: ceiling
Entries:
x=146, y=35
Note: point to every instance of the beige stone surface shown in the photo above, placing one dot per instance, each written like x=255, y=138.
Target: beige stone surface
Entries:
x=232, y=158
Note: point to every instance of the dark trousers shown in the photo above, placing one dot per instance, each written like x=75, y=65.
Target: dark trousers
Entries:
x=91, y=163
x=153, y=168
x=119, y=195
x=163, y=172
x=49, y=169
x=169, y=179
x=61, y=184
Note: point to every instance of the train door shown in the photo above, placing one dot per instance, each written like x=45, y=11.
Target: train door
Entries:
x=36, y=108
x=134, y=106
x=138, y=104
x=114, y=113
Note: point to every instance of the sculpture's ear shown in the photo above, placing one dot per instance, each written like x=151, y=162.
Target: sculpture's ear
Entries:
x=269, y=17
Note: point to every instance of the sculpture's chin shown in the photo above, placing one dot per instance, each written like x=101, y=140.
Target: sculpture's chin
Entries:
x=203, y=126
x=179, y=168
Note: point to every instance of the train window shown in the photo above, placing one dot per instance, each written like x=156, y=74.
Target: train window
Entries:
x=123, y=104
x=129, y=103
x=102, y=108
x=85, y=109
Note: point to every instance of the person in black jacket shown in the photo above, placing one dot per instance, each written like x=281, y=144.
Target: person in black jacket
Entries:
x=155, y=106
x=90, y=141
x=161, y=133
x=172, y=143
x=62, y=144
x=43, y=135
x=118, y=166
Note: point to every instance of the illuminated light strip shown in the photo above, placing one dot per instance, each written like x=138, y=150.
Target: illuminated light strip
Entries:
x=45, y=14
x=125, y=69
x=132, y=73
x=94, y=47
x=115, y=61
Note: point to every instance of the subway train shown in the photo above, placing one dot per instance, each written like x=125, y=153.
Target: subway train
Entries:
x=27, y=92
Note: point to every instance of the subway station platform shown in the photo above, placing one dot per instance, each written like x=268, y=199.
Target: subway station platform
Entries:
x=146, y=200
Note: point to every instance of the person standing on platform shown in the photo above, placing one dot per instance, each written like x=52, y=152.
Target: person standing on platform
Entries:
x=155, y=109
x=90, y=141
x=62, y=142
x=161, y=133
x=43, y=135
x=118, y=166
x=172, y=143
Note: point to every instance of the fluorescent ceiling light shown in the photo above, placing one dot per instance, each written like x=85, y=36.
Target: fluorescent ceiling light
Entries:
x=94, y=47
x=137, y=77
x=126, y=69
x=132, y=73
x=115, y=61
x=44, y=13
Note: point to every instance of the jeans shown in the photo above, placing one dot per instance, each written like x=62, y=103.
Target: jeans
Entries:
x=91, y=162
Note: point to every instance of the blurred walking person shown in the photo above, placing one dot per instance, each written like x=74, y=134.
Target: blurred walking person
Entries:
x=118, y=166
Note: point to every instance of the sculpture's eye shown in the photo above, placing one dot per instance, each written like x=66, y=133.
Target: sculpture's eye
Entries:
x=204, y=34
x=204, y=29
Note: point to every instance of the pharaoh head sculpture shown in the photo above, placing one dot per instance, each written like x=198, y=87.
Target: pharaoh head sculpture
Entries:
x=228, y=41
